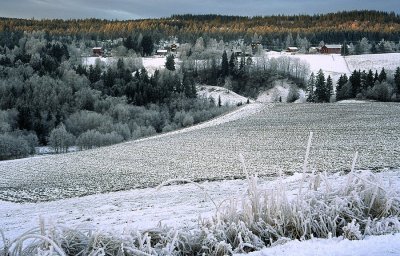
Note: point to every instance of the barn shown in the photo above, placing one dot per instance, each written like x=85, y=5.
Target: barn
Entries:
x=331, y=49
x=98, y=51
x=292, y=49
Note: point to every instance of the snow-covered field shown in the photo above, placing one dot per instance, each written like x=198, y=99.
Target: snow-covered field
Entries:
x=336, y=65
x=151, y=64
x=389, y=61
x=271, y=137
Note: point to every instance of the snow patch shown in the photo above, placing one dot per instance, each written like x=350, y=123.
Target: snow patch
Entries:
x=280, y=92
x=228, y=97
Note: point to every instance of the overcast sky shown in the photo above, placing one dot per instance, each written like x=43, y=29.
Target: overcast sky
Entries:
x=135, y=9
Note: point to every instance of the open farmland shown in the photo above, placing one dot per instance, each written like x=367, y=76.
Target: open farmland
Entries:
x=272, y=138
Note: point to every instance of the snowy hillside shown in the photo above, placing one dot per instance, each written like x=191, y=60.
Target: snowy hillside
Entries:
x=151, y=64
x=389, y=61
x=336, y=65
x=227, y=97
x=279, y=93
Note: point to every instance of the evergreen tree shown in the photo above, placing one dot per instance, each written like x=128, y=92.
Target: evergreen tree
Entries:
x=170, y=63
x=329, y=89
x=311, y=88
x=232, y=64
x=128, y=43
x=147, y=45
x=355, y=80
x=224, y=65
x=382, y=76
x=376, y=76
x=369, y=82
x=320, y=87
x=397, y=80
x=339, y=87
x=345, y=49
x=189, y=85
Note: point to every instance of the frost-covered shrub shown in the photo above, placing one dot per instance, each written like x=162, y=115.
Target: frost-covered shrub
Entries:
x=83, y=121
x=187, y=120
x=60, y=140
x=380, y=91
x=93, y=138
x=317, y=212
x=352, y=231
x=293, y=94
x=13, y=147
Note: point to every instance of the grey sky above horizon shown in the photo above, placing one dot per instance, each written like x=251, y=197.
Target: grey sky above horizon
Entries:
x=138, y=9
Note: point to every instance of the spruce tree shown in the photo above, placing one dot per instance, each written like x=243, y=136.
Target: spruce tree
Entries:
x=170, y=64
x=320, y=87
x=147, y=45
x=397, y=80
x=311, y=88
x=382, y=76
x=344, y=49
x=328, y=89
x=355, y=80
x=369, y=82
x=339, y=87
x=232, y=64
x=224, y=65
x=376, y=76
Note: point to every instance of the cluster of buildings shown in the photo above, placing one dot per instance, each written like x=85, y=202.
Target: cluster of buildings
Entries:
x=325, y=49
x=166, y=47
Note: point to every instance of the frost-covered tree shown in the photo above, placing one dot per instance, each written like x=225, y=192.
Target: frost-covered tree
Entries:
x=365, y=46
x=289, y=40
x=60, y=140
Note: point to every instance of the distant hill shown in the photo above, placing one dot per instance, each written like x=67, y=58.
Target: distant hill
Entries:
x=332, y=27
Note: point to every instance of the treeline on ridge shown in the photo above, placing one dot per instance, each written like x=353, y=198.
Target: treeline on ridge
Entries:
x=330, y=28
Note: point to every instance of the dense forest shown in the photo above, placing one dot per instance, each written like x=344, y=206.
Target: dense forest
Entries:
x=330, y=28
x=47, y=97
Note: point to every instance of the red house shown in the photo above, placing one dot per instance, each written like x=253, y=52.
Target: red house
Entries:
x=331, y=49
x=98, y=51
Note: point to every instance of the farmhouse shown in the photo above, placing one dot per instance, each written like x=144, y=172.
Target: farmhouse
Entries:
x=314, y=49
x=174, y=47
x=97, y=51
x=161, y=52
x=237, y=52
x=292, y=49
x=331, y=49
x=255, y=46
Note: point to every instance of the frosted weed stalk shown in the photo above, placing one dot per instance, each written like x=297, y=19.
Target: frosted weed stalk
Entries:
x=361, y=205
